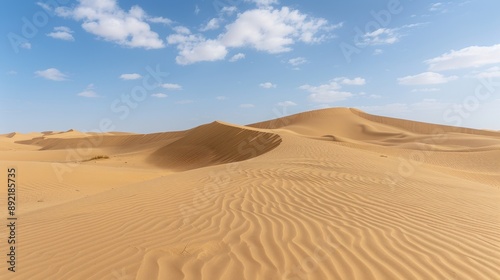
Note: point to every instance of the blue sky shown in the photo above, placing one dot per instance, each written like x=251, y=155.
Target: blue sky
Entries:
x=148, y=66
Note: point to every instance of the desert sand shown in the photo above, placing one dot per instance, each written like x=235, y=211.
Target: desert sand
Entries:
x=327, y=194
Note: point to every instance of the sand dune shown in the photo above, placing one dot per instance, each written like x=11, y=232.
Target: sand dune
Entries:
x=328, y=194
x=212, y=144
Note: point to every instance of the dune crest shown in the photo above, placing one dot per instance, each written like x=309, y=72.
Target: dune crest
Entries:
x=421, y=127
x=212, y=144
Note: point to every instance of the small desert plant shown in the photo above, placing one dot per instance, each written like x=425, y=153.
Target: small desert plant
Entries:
x=185, y=251
x=97, y=157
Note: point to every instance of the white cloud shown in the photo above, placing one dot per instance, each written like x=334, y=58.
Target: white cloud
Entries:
x=237, y=57
x=381, y=36
x=182, y=30
x=425, y=90
x=211, y=25
x=88, y=92
x=105, y=19
x=159, y=20
x=426, y=78
x=374, y=96
x=286, y=104
x=385, y=36
x=26, y=45
x=297, y=61
x=263, y=3
x=44, y=6
x=196, y=48
x=159, y=95
x=378, y=52
x=63, y=29
x=273, y=30
x=133, y=76
x=62, y=33
x=197, y=10
x=247, y=106
x=12, y=72
x=473, y=56
x=331, y=92
x=51, y=74
x=264, y=29
x=358, y=81
x=493, y=72
x=229, y=10
x=326, y=93
x=267, y=85
x=220, y=97
x=412, y=25
x=437, y=7
x=171, y=86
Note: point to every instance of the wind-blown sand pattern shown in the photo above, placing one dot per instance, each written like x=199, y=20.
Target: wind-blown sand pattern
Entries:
x=327, y=194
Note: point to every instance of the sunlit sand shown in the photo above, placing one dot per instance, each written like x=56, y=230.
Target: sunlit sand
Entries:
x=327, y=194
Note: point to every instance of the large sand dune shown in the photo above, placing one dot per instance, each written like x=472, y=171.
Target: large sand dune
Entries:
x=328, y=194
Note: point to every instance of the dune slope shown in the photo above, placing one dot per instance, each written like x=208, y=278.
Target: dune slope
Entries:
x=212, y=144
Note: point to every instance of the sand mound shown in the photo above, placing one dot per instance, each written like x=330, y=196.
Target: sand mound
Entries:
x=334, y=122
x=67, y=134
x=212, y=144
x=16, y=136
x=121, y=140
x=421, y=127
x=354, y=126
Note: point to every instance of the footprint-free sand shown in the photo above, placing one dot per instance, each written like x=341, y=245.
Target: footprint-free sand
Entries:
x=327, y=194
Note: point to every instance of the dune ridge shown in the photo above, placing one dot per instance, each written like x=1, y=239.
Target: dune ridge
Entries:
x=420, y=127
x=328, y=194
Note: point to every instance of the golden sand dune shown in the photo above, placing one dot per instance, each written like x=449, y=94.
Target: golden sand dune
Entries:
x=212, y=144
x=327, y=194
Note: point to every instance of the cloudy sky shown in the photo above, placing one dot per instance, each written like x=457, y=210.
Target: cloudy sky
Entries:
x=147, y=66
